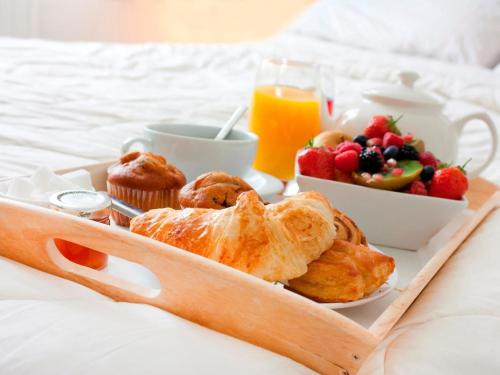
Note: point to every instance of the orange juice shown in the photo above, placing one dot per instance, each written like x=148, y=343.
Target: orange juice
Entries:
x=284, y=118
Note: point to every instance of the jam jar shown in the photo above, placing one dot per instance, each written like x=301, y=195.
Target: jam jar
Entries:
x=89, y=205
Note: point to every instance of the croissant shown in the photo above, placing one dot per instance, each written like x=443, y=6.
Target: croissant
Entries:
x=274, y=242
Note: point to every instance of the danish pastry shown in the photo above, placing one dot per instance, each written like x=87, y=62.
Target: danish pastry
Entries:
x=345, y=272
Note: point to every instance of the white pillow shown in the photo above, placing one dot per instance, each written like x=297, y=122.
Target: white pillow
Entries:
x=461, y=31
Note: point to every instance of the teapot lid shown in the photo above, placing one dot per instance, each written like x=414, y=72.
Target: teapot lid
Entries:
x=403, y=93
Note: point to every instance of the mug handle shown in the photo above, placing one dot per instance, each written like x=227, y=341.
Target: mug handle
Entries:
x=486, y=119
x=131, y=141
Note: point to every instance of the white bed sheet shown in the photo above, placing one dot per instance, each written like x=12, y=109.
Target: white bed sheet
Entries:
x=65, y=105
x=70, y=104
x=52, y=326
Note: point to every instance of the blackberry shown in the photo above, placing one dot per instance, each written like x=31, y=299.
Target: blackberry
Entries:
x=370, y=161
x=408, y=152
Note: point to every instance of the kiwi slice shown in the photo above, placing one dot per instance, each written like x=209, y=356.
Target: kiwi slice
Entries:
x=411, y=171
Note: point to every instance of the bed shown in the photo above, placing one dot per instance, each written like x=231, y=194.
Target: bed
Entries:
x=69, y=104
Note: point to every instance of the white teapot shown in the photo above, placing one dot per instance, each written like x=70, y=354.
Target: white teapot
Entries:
x=422, y=116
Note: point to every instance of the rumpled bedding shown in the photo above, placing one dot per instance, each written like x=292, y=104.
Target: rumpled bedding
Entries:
x=65, y=105
x=56, y=327
x=454, y=326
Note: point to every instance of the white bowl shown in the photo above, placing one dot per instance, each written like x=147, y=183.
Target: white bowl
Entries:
x=388, y=218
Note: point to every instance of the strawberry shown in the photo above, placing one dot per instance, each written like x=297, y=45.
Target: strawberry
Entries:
x=417, y=187
x=449, y=182
x=379, y=125
x=346, y=146
x=317, y=162
x=347, y=161
x=343, y=177
x=428, y=158
x=391, y=139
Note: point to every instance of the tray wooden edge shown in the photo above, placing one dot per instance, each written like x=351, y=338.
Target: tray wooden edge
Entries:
x=227, y=300
x=483, y=194
x=384, y=323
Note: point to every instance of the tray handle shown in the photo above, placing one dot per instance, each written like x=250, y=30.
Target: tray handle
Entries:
x=192, y=287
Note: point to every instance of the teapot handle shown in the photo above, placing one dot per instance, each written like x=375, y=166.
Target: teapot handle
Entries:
x=486, y=119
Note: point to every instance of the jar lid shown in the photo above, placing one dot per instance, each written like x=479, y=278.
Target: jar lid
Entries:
x=404, y=93
x=83, y=203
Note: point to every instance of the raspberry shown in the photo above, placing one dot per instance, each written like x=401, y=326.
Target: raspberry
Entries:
x=417, y=187
x=346, y=146
x=397, y=172
x=408, y=138
x=374, y=142
x=379, y=151
x=347, y=161
x=391, y=139
x=428, y=158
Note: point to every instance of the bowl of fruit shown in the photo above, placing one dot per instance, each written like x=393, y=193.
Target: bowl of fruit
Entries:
x=397, y=191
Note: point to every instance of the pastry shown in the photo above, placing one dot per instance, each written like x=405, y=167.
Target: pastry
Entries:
x=144, y=180
x=213, y=190
x=345, y=272
x=273, y=242
x=347, y=230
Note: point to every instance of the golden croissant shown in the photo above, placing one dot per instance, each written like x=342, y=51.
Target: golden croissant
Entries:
x=274, y=242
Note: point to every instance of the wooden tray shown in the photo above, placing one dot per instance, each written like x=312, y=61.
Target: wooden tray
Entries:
x=227, y=300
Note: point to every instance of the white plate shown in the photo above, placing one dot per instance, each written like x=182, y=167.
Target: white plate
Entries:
x=384, y=289
x=264, y=184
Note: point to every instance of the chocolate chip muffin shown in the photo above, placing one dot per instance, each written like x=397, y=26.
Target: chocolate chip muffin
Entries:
x=216, y=190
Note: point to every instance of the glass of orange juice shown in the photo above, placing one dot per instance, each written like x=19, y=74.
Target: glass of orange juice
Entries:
x=287, y=106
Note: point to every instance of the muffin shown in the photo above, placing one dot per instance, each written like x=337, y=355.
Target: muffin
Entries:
x=144, y=180
x=216, y=190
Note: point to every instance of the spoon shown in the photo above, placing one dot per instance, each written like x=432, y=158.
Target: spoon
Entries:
x=124, y=208
x=233, y=120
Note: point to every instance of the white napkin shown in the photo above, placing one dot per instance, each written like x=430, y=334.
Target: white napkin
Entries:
x=43, y=183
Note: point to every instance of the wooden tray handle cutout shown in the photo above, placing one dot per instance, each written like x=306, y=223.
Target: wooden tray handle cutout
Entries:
x=98, y=276
x=192, y=287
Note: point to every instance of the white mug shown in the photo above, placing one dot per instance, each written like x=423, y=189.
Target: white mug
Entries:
x=193, y=150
